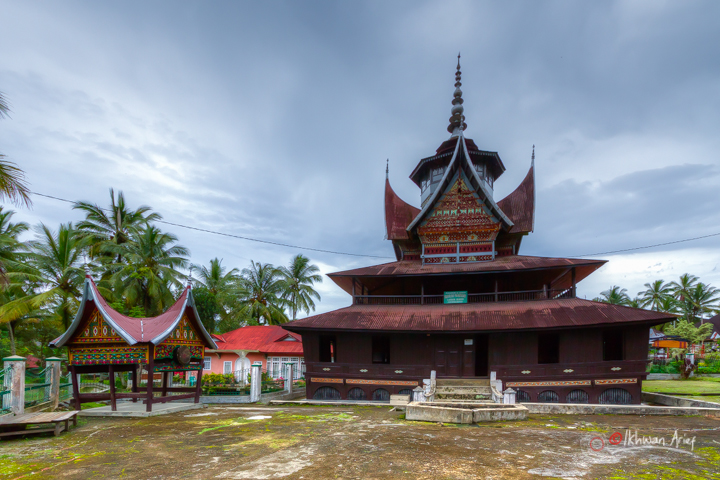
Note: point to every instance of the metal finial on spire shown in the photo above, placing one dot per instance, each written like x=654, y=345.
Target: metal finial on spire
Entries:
x=457, y=120
x=189, y=278
x=387, y=169
x=532, y=159
x=87, y=270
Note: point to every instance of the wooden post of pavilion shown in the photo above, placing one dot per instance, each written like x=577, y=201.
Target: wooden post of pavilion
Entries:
x=165, y=382
x=75, y=386
x=135, y=377
x=151, y=374
x=111, y=376
x=198, y=388
x=574, y=282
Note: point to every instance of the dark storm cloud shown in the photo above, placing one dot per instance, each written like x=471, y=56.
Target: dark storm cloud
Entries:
x=274, y=120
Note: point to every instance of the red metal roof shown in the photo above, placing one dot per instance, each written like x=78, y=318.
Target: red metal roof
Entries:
x=261, y=338
x=143, y=329
x=398, y=214
x=500, y=264
x=571, y=312
x=519, y=206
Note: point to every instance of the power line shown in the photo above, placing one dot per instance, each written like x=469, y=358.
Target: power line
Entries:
x=650, y=246
x=240, y=237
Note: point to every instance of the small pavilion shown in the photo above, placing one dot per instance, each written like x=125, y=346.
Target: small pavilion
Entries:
x=102, y=340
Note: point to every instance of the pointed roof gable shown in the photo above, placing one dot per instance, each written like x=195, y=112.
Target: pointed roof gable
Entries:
x=461, y=161
x=398, y=214
x=520, y=204
x=135, y=330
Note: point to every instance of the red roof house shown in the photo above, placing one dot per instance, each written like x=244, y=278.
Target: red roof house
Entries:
x=270, y=345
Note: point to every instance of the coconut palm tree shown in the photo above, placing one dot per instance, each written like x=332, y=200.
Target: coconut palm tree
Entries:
x=261, y=295
x=111, y=226
x=297, y=283
x=699, y=301
x=218, y=289
x=149, y=270
x=681, y=288
x=615, y=295
x=654, y=294
x=57, y=261
x=11, y=249
x=13, y=186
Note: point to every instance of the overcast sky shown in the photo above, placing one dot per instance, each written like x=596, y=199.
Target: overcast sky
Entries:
x=273, y=120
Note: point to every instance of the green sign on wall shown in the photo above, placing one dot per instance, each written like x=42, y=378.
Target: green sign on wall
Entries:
x=455, y=297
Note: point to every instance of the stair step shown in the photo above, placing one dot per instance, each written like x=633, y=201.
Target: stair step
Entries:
x=463, y=382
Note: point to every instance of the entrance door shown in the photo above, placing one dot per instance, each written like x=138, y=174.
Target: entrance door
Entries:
x=448, y=356
x=481, y=355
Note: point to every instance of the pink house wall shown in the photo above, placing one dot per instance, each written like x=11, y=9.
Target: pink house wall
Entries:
x=216, y=363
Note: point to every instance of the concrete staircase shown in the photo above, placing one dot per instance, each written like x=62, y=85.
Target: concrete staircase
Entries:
x=462, y=390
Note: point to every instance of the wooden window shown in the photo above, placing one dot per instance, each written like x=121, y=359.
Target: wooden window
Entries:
x=207, y=363
x=380, y=349
x=612, y=345
x=328, y=348
x=549, y=347
x=227, y=367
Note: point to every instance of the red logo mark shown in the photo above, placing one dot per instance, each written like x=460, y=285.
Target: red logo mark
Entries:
x=597, y=444
x=616, y=438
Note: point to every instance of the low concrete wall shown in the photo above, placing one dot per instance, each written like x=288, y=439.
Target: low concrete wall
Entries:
x=663, y=376
x=265, y=397
x=676, y=376
x=464, y=413
x=428, y=413
x=496, y=414
x=584, y=409
x=674, y=401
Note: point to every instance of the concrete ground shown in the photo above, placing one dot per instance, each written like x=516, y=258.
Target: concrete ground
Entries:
x=361, y=442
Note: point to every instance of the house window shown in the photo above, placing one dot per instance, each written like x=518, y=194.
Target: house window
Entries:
x=380, y=349
x=549, y=347
x=276, y=366
x=328, y=348
x=227, y=367
x=207, y=363
x=612, y=345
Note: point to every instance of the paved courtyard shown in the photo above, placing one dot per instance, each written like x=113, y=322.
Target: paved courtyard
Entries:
x=366, y=443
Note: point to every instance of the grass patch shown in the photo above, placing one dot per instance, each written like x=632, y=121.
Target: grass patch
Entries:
x=689, y=387
x=85, y=406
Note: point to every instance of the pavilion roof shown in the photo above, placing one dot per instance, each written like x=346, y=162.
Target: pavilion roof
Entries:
x=135, y=330
x=496, y=316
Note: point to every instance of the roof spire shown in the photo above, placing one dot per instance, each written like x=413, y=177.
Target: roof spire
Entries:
x=387, y=169
x=532, y=159
x=457, y=120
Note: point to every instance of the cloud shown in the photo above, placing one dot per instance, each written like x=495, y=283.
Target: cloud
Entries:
x=274, y=120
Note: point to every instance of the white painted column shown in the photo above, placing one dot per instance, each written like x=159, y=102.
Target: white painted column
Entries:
x=52, y=376
x=289, y=377
x=255, y=382
x=509, y=397
x=16, y=381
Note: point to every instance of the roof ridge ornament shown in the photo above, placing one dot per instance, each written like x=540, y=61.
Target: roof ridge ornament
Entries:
x=532, y=159
x=387, y=169
x=457, y=120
